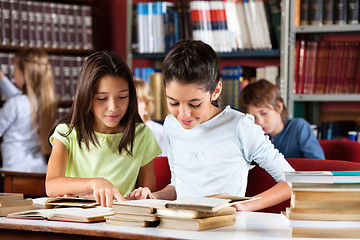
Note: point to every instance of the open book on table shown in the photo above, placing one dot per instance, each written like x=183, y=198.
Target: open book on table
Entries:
x=69, y=214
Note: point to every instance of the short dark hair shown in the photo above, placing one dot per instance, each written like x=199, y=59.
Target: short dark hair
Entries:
x=80, y=116
x=192, y=62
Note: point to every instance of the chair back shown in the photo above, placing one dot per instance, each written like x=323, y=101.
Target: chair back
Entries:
x=162, y=172
x=259, y=180
x=338, y=149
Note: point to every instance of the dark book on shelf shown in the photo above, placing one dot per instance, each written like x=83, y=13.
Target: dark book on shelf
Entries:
x=340, y=11
x=304, y=12
x=316, y=12
x=353, y=11
x=273, y=6
x=328, y=13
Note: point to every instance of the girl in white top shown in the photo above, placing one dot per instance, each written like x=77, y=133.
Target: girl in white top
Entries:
x=28, y=113
x=211, y=148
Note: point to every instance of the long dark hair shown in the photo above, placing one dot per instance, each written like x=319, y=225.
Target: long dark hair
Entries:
x=192, y=62
x=81, y=117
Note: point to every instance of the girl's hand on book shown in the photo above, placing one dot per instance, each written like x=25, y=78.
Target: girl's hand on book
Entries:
x=104, y=192
x=140, y=193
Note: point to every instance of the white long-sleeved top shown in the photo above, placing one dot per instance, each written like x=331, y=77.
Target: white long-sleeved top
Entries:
x=20, y=147
x=215, y=156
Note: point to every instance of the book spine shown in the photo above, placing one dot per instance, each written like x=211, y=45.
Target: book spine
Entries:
x=304, y=12
x=6, y=27
x=328, y=14
x=353, y=12
x=340, y=8
x=47, y=24
x=38, y=23
x=316, y=12
x=15, y=29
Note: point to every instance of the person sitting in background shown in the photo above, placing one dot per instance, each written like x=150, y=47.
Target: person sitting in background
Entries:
x=294, y=138
x=146, y=109
x=28, y=113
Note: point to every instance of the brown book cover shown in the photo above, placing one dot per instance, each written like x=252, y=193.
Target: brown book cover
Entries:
x=198, y=224
x=329, y=216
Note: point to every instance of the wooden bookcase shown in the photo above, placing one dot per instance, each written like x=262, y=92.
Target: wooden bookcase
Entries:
x=65, y=29
x=314, y=107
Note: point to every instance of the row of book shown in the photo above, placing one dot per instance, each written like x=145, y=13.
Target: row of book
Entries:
x=155, y=27
x=324, y=204
x=65, y=69
x=236, y=77
x=327, y=67
x=327, y=12
x=225, y=25
x=46, y=24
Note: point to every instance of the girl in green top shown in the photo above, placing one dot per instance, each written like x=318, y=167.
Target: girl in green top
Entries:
x=101, y=149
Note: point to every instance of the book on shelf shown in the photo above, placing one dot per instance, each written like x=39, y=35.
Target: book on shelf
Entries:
x=316, y=12
x=68, y=214
x=323, y=176
x=328, y=13
x=304, y=12
x=340, y=11
x=353, y=11
x=197, y=224
x=14, y=202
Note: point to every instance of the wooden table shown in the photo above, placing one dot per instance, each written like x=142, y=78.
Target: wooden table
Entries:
x=31, y=184
x=249, y=225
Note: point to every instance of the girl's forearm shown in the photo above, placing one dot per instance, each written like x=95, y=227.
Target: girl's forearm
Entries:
x=167, y=193
x=275, y=195
x=68, y=185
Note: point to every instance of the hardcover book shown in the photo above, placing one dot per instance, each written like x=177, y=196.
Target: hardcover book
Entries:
x=197, y=224
x=69, y=214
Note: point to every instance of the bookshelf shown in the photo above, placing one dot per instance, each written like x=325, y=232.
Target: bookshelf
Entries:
x=271, y=56
x=312, y=101
x=64, y=29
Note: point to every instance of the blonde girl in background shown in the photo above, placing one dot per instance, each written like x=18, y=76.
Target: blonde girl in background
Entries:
x=29, y=112
x=101, y=148
x=146, y=109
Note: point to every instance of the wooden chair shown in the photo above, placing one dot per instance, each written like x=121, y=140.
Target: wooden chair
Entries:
x=259, y=180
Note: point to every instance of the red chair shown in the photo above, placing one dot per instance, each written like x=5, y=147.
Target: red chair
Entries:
x=259, y=180
x=338, y=149
x=162, y=172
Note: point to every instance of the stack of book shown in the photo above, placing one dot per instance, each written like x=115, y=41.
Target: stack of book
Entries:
x=197, y=214
x=136, y=213
x=14, y=202
x=324, y=204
